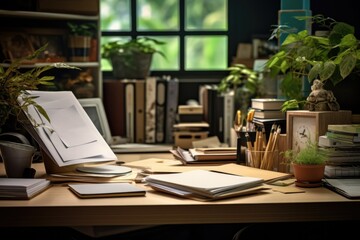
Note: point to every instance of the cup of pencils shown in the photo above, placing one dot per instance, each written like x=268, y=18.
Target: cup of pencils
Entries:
x=263, y=153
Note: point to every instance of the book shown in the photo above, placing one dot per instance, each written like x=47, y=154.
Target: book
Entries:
x=130, y=109
x=269, y=114
x=346, y=171
x=161, y=92
x=199, y=155
x=267, y=103
x=343, y=136
x=324, y=141
x=140, y=111
x=229, y=112
x=345, y=128
x=191, y=184
x=150, y=110
x=172, y=101
x=22, y=188
x=97, y=190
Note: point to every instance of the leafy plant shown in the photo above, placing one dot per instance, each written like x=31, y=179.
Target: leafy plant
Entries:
x=140, y=44
x=328, y=58
x=14, y=82
x=310, y=155
x=84, y=29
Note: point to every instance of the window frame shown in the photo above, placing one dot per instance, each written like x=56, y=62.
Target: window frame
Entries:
x=181, y=33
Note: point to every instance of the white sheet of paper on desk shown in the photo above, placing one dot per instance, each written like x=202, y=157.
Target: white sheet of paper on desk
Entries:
x=94, y=149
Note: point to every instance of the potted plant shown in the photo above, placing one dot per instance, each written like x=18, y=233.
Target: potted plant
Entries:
x=15, y=81
x=131, y=59
x=330, y=58
x=80, y=39
x=245, y=83
x=308, y=164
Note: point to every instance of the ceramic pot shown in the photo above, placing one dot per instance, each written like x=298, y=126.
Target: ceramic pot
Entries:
x=308, y=173
x=16, y=157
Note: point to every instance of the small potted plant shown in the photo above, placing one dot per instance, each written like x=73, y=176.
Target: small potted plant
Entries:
x=80, y=39
x=246, y=84
x=131, y=59
x=308, y=165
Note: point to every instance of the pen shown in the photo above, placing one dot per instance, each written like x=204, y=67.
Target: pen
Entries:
x=237, y=123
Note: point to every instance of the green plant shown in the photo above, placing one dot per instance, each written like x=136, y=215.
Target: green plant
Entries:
x=14, y=82
x=84, y=29
x=141, y=44
x=328, y=58
x=310, y=155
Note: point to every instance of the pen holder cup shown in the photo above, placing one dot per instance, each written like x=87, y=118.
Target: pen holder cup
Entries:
x=241, y=144
x=267, y=160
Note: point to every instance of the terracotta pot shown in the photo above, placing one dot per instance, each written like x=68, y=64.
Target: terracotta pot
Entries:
x=308, y=173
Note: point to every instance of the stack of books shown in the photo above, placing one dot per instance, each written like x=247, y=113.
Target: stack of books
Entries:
x=217, y=155
x=342, y=146
x=268, y=108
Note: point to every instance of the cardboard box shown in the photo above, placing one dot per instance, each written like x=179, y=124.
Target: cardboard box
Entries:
x=86, y=7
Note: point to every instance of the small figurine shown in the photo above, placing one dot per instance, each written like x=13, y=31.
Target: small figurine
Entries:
x=320, y=99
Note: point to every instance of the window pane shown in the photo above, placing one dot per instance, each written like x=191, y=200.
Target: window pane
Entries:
x=206, y=53
x=157, y=15
x=115, y=15
x=206, y=15
x=171, y=50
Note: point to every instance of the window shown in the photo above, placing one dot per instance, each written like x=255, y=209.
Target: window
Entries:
x=195, y=32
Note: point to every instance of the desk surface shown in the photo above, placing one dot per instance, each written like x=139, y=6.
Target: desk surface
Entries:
x=57, y=206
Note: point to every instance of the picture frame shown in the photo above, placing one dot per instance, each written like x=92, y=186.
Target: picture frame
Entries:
x=16, y=45
x=303, y=126
x=95, y=109
x=56, y=50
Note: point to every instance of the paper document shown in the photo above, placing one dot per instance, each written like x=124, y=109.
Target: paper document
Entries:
x=70, y=137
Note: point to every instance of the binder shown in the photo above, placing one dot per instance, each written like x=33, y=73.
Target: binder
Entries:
x=161, y=89
x=150, y=110
x=140, y=111
x=114, y=100
x=172, y=100
x=130, y=109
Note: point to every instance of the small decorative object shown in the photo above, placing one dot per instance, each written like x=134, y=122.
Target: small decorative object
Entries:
x=308, y=165
x=303, y=126
x=320, y=99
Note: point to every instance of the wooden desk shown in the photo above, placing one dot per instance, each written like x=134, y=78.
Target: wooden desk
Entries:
x=57, y=206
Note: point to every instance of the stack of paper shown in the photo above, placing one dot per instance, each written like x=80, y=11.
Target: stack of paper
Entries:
x=70, y=137
x=204, y=184
x=22, y=188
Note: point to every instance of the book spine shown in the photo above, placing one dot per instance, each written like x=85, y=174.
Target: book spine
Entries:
x=150, y=113
x=172, y=99
x=161, y=89
x=140, y=111
x=130, y=111
x=229, y=109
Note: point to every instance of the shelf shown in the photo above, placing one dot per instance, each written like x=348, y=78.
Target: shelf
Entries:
x=47, y=15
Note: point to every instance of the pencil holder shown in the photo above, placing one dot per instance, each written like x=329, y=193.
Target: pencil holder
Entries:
x=242, y=140
x=262, y=159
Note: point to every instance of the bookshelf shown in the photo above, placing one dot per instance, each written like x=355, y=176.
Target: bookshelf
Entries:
x=38, y=24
